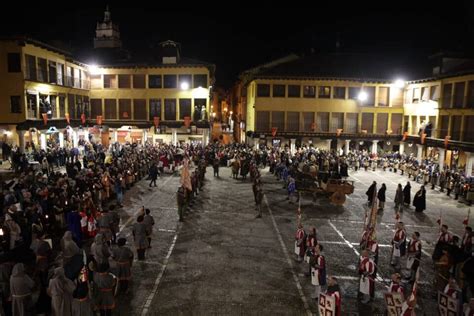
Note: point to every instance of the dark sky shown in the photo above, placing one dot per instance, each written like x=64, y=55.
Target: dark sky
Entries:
x=236, y=36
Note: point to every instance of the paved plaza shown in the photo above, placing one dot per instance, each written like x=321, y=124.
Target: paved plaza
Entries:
x=223, y=261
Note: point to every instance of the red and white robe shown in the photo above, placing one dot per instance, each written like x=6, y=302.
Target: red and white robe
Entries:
x=311, y=242
x=318, y=272
x=366, y=272
x=453, y=293
x=299, y=242
x=414, y=254
x=397, y=240
x=396, y=288
x=445, y=237
x=467, y=243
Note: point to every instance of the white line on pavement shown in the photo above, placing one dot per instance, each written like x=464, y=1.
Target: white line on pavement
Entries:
x=285, y=251
x=149, y=300
x=343, y=238
x=147, y=201
x=148, y=262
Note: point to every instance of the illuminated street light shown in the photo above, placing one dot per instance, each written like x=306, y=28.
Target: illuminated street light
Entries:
x=94, y=70
x=399, y=83
x=363, y=96
x=184, y=86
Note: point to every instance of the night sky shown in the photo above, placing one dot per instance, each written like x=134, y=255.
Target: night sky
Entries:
x=238, y=38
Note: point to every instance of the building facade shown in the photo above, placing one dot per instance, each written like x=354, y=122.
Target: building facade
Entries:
x=48, y=95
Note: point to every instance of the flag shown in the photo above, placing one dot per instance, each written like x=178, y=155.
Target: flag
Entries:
x=446, y=141
x=338, y=132
x=67, y=117
x=274, y=131
x=186, y=177
x=45, y=118
x=83, y=118
x=423, y=136
x=466, y=220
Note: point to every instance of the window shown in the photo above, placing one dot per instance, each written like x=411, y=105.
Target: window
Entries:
x=382, y=123
x=354, y=93
x=468, y=135
x=125, y=109
x=14, y=62
x=279, y=91
x=85, y=82
x=308, y=120
x=200, y=81
x=110, y=81
x=339, y=93
x=30, y=62
x=352, y=123
x=124, y=82
x=408, y=96
x=456, y=127
x=52, y=72
x=77, y=78
x=368, y=122
x=458, y=100
x=370, y=101
x=425, y=94
x=139, y=109
x=155, y=108
x=263, y=90
x=309, y=91
x=324, y=92
x=293, y=121
x=278, y=120
x=396, y=123
x=337, y=122
x=416, y=95
x=71, y=105
x=294, y=91
x=80, y=106
x=32, y=105
x=262, y=121
x=169, y=82
x=96, y=107
x=60, y=74
x=434, y=93
x=139, y=82
x=42, y=70
x=69, y=77
x=383, y=97
x=184, y=108
x=154, y=81
x=170, y=109
x=322, y=122
x=447, y=94
x=15, y=104
x=62, y=105
x=184, y=79
x=444, y=128
x=201, y=106
x=470, y=95
x=96, y=82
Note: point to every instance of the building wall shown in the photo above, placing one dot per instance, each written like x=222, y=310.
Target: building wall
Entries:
x=419, y=107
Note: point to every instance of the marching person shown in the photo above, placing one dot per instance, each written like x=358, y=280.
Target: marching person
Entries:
x=61, y=289
x=414, y=255
x=149, y=222
x=370, y=193
x=466, y=244
x=407, y=194
x=395, y=285
x=99, y=250
x=399, y=198
x=299, y=242
x=140, y=233
x=258, y=200
x=398, y=245
x=21, y=289
x=334, y=291
x=381, y=197
x=106, y=284
x=124, y=258
x=318, y=270
x=366, y=281
x=311, y=242
x=181, y=200
x=419, y=201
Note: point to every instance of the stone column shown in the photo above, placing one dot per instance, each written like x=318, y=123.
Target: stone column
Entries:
x=441, y=157
x=292, y=146
x=346, y=147
x=21, y=141
x=43, y=141
x=174, y=136
x=402, y=148
x=328, y=144
x=205, y=137
x=469, y=163
x=75, y=139
x=61, y=140
x=419, y=152
x=115, y=136
x=145, y=135
x=374, y=146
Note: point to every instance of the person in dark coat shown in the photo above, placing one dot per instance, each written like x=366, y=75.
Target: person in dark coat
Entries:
x=370, y=193
x=419, y=201
x=381, y=196
x=407, y=194
x=153, y=174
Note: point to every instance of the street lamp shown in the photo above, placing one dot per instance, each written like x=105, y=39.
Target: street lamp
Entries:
x=399, y=83
x=184, y=85
x=362, y=96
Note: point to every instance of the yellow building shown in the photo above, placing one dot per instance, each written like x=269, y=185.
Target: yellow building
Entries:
x=46, y=94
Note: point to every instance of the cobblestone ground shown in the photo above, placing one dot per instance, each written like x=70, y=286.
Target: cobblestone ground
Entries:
x=224, y=261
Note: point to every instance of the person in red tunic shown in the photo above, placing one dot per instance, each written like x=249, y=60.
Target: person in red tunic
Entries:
x=334, y=291
x=318, y=270
x=395, y=286
x=299, y=242
x=414, y=255
x=311, y=242
x=452, y=289
x=398, y=244
x=366, y=272
x=466, y=245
